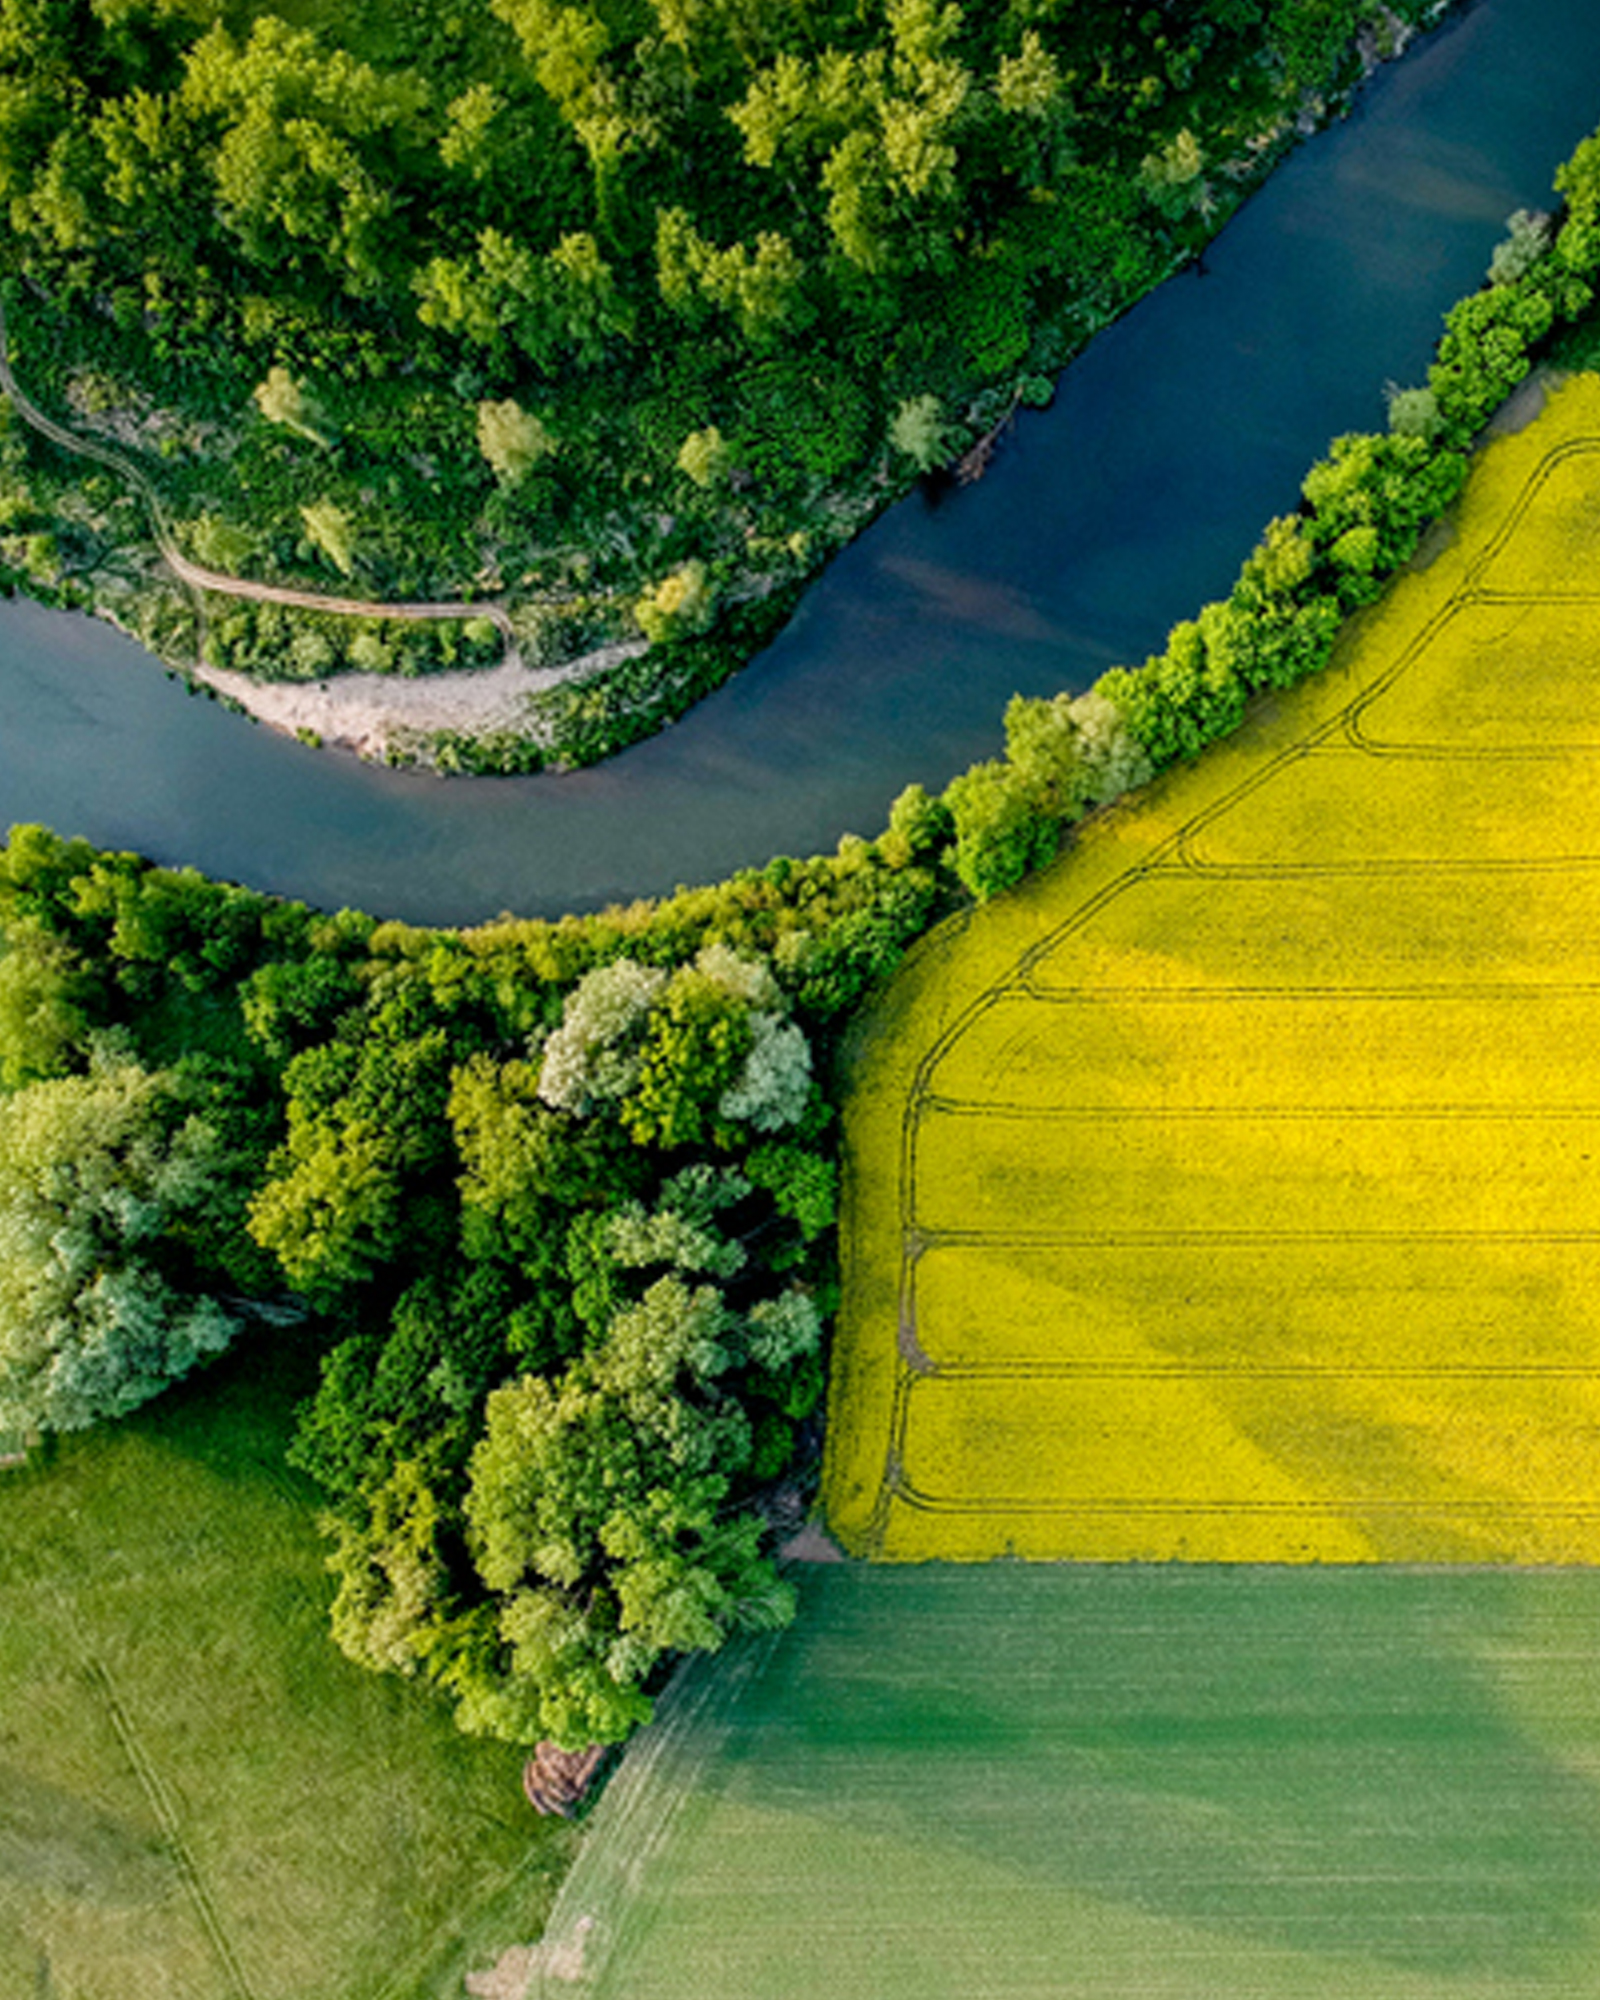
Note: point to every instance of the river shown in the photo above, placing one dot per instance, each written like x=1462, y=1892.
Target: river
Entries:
x=1106, y=518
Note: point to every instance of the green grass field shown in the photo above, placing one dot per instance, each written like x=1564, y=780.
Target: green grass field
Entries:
x=199, y=1799
x=1233, y=1191
x=1093, y=1783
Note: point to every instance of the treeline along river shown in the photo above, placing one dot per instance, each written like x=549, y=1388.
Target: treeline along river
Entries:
x=1108, y=517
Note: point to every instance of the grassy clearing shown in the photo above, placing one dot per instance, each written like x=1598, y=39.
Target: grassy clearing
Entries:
x=1090, y=1783
x=199, y=1799
x=1232, y=1192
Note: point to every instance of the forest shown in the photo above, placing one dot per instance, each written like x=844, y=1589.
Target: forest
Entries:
x=623, y=314
x=559, y=1199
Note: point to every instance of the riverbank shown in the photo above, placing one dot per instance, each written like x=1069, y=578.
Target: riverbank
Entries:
x=395, y=721
x=390, y=720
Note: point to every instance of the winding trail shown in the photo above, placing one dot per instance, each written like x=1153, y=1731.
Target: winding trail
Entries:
x=199, y=578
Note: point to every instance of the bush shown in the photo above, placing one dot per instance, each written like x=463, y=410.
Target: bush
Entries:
x=1000, y=834
x=679, y=604
x=920, y=432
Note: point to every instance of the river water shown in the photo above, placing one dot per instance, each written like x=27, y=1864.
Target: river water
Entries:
x=1108, y=517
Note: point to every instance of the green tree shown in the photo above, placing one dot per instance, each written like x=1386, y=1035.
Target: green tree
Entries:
x=45, y=997
x=99, y=1174
x=331, y=530
x=331, y=1214
x=695, y=1045
x=596, y=1516
x=804, y=1185
x=1173, y=178
x=393, y=1576
x=1000, y=832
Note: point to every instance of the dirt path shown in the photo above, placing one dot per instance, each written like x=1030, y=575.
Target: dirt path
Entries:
x=221, y=585
x=370, y=714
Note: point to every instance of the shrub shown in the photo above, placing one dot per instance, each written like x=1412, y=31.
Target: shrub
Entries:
x=679, y=604
x=512, y=439
x=704, y=457
x=919, y=431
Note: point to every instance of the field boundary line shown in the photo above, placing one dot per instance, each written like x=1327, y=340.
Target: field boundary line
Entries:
x=1505, y=989
x=1300, y=871
x=1205, y=1371
x=1272, y=1114
x=924, y=1502
x=1137, y=1239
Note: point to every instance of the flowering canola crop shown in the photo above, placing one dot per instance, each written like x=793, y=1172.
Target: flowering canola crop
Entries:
x=1232, y=1192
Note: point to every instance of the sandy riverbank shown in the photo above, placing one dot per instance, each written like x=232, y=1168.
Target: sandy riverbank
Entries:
x=373, y=714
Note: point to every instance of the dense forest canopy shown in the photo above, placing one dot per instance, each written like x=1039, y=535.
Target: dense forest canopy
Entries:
x=556, y=1203
x=626, y=312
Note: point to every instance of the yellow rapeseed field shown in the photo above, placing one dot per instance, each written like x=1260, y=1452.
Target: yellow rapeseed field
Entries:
x=1232, y=1192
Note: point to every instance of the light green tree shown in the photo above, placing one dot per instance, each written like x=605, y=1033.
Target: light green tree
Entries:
x=1526, y=239
x=1173, y=178
x=1413, y=412
x=1028, y=84
x=283, y=400
x=704, y=457
x=512, y=439
x=332, y=1212
x=43, y=1023
x=920, y=431
x=97, y=1172
x=331, y=530
x=465, y=143
x=680, y=604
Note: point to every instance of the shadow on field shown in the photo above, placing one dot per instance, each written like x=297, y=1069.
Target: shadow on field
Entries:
x=55, y=1843
x=1328, y=1761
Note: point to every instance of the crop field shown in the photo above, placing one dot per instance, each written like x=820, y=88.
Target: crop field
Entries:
x=199, y=1799
x=1233, y=1192
x=1054, y=1782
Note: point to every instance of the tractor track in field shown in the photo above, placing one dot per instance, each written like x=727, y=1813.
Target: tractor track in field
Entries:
x=1032, y=978
x=149, y=1780
x=177, y=1845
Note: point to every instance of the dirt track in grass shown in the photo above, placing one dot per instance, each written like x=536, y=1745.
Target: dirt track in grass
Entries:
x=200, y=1799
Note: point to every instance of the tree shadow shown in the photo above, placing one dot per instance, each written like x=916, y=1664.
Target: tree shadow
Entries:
x=1371, y=1761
